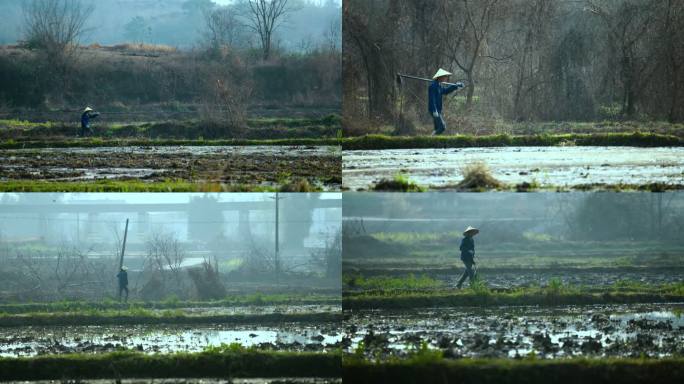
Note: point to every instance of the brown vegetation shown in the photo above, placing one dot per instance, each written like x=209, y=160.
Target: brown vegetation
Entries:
x=522, y=60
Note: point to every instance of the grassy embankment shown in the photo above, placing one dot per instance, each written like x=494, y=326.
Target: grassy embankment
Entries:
x=430, y=367
x=258, y=131
x=257, y=300
x=414, y=292
x=224, y=362
x=637, y=139
x=134, y=185
x=165, y=312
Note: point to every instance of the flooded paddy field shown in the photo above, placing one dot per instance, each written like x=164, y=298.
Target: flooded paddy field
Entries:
x=548, y=166
x=39, y=340
x=653, y=330
x=250, y=165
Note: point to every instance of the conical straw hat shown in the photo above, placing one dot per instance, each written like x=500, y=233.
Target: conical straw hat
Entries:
x=441, y=72
x=471, y=229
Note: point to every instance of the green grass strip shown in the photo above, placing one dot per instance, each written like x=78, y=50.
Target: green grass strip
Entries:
x=229, y=301
x=211, y=364
x=529, y=371
x=96, y=142
x=141, y=316
x=636, y=139
x=131, y=185
x=486, y=298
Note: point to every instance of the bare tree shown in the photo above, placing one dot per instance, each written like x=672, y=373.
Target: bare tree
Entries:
x=332, y=36
x=55, y=27
x=471, y=25
x=673, y=33
x=162, y=266
x=628, y=24
x=265, y=18
x=223, y=28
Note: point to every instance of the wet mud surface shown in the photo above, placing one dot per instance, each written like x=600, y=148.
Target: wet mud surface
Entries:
x=38, y=340
x=255, y=310
x=578, y=277
x=652, y=330
x=259, y=165
x=548, y=166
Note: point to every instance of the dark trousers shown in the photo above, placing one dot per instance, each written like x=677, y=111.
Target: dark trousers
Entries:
x=468, y=273
x=440, y=125
x=121, y=289
x=86, y=129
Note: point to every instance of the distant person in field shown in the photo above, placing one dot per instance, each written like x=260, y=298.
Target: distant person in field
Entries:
x=468, y=255
x=435, y=92
x=87, y=114
x=123, y=282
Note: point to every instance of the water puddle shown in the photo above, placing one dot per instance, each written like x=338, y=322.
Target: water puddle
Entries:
x=617, y=330
x=35, y=340
x=549, y=166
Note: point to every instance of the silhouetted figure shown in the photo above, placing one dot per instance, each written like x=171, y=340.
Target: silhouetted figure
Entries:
x=468, y=255
x=87, y=114
x=435, y=92
x=123, y=282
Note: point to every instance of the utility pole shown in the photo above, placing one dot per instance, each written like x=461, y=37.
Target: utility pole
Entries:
x=276, y=258
x=277, y=239
x=123, y=247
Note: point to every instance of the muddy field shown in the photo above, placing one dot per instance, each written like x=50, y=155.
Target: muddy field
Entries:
x=578, y=277
x=258, y=165
x=654, y=330
x=34, y=340
x=548, y=166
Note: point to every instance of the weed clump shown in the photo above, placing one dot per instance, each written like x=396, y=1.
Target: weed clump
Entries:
x=299, y=185
x=478, y=177
x=207, y=282
x=527, y=187
x=400, y=183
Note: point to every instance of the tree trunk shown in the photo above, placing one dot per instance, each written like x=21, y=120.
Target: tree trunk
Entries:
x=674, y=99
x=470, y=91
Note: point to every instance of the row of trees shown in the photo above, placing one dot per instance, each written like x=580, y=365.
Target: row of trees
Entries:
x=522, y=59
x=69, y=271
x=224, y=75
x=574, y=216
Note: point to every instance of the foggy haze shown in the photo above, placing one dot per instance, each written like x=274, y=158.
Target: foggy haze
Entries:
x=515, y=222
x=179, y=23
x=62, y=244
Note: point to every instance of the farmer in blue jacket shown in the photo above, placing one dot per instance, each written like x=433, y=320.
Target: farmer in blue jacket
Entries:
x=87, y=114
x=122, y=276
x=435, y=92
x=468, y=255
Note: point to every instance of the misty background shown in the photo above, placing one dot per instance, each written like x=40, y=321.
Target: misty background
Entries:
x=58, y=246
x=179, y=23
x=517, y=229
